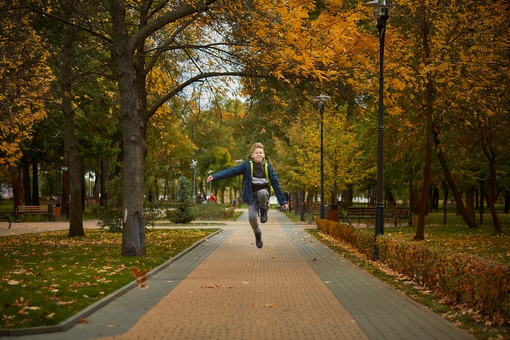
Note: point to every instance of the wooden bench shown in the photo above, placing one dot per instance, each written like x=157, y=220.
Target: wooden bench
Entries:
x=35, y=210
x=6, y=218
x=360, y=213
x=397, y=213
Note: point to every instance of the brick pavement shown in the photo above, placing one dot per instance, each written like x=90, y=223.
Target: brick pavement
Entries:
x=292, y=288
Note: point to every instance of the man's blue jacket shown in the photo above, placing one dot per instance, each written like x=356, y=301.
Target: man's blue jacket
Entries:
x=245, y=170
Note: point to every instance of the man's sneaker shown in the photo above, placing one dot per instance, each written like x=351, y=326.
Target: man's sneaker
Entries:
x=263, y=215
x=258, y=240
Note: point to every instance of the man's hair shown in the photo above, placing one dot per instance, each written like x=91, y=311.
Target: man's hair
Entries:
x=257, y=145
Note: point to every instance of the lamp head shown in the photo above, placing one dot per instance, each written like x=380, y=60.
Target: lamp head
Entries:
x=321, y=99
x=381, y=7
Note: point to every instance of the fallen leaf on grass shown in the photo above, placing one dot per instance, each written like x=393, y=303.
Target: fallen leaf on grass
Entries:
x=21, y=302
x=64, y=303
x=13, y=282
x=8, y=323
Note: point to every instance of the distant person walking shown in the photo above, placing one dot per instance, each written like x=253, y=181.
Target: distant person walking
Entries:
x=258, y=178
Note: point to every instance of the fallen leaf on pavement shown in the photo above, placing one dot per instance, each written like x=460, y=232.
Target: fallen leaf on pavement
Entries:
x=213, y=285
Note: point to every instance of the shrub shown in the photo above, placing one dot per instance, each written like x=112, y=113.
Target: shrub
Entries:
x=110, y=215
x=184, y=212
x=213, y=211
x=481, y=284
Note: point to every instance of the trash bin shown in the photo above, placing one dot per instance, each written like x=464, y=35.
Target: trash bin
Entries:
x=333, y=213
x=56, y=213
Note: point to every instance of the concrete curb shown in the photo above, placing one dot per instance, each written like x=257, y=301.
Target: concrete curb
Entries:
x=73, y=320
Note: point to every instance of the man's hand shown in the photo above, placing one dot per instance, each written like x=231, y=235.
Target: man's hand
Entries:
x=210, y=178
x=285, y=207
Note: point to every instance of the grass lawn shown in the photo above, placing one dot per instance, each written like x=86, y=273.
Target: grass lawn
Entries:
x=456, y=236
x=48, y=277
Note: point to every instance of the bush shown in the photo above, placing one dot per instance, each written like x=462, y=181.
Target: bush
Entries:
x=110, y=215
x=214, y=211
x=184, y=212
x=362, y=241
x=481, y=284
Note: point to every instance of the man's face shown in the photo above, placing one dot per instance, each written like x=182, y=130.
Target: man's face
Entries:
x=258, y=155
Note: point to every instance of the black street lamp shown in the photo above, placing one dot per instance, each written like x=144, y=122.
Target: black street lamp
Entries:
x=382, y=13
x=322, y=101
x=193, y=166
x=210, y=183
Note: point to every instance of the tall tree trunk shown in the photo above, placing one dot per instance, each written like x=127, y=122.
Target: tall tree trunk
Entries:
x=482, y=207
x=25, y=166
x=470, y=198
x=105, y=175
x=16, y=190
x=456, y=194
x=422, y=206
x=70, y=147
x=445, y=202
x=435, y=200
x=35, y=183
x=133, y=126
x=429, y=107
x=492, y=192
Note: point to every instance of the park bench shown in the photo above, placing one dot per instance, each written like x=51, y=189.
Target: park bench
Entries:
x=397, y=213
x=35, y=210
x=5, y=218
x=359, y=213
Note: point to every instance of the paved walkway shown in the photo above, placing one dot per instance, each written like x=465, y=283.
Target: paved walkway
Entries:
x=293, y=288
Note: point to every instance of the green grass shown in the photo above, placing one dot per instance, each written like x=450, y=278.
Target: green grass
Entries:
x=47, y=277
x=456, y=236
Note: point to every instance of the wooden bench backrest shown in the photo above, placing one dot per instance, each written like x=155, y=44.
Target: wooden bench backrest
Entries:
x=400, y=211
x=33, y=209
x=361, y=211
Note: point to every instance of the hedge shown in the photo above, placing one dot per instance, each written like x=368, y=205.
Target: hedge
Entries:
x=478, y=283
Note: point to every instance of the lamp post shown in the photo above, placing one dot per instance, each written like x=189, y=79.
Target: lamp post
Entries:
x=210, y=184
x=322, y=101
x=193, y=166
x=382, y=13
x=239, y=162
